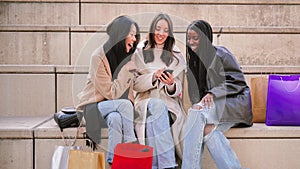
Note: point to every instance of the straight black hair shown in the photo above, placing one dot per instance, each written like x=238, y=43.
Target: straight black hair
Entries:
x=115, y=47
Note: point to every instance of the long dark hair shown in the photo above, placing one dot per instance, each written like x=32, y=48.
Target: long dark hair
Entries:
x=115, y=47
x=167, y=55
x=200, y=60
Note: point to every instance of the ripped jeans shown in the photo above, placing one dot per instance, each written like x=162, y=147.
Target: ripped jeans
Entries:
x=217, y=144
x=119, y=118
x=159, y=135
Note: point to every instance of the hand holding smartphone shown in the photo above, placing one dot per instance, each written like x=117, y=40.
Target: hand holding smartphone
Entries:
x=167, y=78
x=168, y=70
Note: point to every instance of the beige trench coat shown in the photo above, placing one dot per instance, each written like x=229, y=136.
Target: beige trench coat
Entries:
x=144, y=89
x=99, y=85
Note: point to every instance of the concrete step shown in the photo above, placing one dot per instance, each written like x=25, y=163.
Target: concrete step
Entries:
x=27, y=90
x=250, y=144
x=17, y=141
x=94, y=12
x=41, y=90
x=73, y=45
x=29, y=143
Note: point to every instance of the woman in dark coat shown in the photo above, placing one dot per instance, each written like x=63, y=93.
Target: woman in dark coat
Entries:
x=220, y=97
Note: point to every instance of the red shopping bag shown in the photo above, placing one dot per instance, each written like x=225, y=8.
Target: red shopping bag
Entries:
x=132, y=156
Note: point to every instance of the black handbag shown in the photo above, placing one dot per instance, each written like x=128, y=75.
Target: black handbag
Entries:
x=67, y=117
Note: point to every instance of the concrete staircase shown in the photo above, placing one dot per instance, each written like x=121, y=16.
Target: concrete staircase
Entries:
x=45, y=46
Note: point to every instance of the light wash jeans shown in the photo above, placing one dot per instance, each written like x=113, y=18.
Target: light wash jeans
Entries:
x=119, y=118
x=217, y=144
x=159, y=136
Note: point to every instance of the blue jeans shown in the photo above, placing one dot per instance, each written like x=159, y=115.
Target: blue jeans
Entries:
x=159, y=136
x=217, y=144
x=119, y=118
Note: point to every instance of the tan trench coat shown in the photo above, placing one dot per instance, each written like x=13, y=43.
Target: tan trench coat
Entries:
x=144, y=89
x=99, y=85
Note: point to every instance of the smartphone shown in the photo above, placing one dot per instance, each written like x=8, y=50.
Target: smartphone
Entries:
x=168, y=70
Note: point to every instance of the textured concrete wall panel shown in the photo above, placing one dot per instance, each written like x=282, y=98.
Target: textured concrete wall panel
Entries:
x=68, y=87
x=218, y=15
x=34, y=48
x=16, y=153
x=39, y=13
x=27, y=94
x=263, y=49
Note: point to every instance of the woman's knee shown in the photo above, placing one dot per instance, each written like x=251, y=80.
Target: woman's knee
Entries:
x=157, y=105
x=126, y=104
x=114, y=119
x=196, y=116
x=199, y=117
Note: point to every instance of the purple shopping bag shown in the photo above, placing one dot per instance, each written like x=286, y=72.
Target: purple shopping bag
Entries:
x=283, y=100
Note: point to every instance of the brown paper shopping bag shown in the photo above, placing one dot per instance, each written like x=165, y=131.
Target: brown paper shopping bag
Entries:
x=259, y=90
x=79, y=159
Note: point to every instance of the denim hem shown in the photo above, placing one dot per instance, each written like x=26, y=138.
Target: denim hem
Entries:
x=169, y=166
x=131, y=140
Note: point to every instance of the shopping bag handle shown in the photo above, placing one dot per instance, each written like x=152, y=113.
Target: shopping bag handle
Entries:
x=76, y=136
x=290, y=91
x=90, y=148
